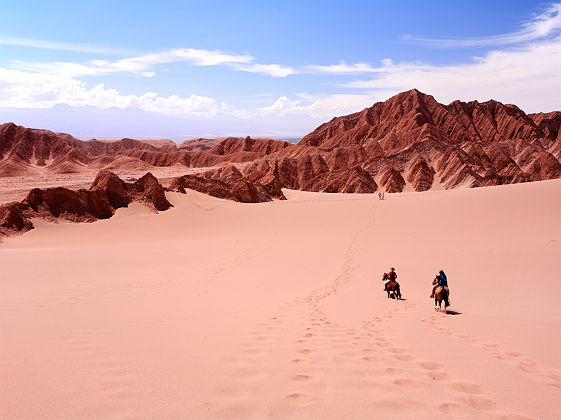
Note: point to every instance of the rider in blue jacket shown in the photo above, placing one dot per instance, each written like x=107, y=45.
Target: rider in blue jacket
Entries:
x=442, y=281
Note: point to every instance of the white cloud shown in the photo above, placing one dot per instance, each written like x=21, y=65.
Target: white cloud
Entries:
x=543, y=25
x=61, y=46
x=281, y=106
x=317, y=107
x=344, y=68
x=274, y=70
x=528, y=76
x=20, y=89
x=138, y=64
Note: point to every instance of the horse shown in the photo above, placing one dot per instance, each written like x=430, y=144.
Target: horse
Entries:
x=392, y=288
x=441, y=293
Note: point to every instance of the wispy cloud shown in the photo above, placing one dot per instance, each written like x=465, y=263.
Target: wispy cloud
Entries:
x=274, y=70
x=527, y=76
x=546, y=24
x=343, y=68
x=141, y=64
x=137, y=64
x=61, y=46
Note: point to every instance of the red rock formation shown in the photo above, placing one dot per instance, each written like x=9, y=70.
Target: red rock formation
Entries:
x=77, y=206
x=261, y=146
x=23, y=150
x=549, y=124
x=455, y=171
x=401, y=121
x=544, y=166
x=392, y=181
x=492, y=138
x=411, y=134
x=354, y=180
x=227, y=174
x=115, y=189
x=148, y=190
x=106, y=194
x=13, y=220
x=420, y=174
x=240, y=190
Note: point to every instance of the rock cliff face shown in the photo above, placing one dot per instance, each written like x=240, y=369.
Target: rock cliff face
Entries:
x=106, y=194
x=412, y=142
x=237, y=190
x=408, y=143
x=26, y=151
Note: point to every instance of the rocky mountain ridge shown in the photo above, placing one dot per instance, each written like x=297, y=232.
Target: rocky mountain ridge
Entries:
x=409, y=142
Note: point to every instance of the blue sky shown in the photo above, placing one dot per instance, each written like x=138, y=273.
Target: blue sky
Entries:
x=172, y=69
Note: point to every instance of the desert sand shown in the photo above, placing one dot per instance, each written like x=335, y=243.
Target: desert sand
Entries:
x=217, y=309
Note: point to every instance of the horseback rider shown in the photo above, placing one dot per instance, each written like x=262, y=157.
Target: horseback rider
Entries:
x=441, y=280
x=388, y=277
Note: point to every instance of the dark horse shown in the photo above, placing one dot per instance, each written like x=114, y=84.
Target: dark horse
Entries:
x=391, y=287
x=441, y=293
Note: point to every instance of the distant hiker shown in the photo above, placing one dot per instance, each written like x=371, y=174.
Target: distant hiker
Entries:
x=440, y=280
x=379, y=196
x=383, y=196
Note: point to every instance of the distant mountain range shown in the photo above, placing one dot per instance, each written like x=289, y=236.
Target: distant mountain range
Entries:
x=409, y=142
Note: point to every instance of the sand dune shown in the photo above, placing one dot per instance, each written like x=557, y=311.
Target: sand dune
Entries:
x=217, y=309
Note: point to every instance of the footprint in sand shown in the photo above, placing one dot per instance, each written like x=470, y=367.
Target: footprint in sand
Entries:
x=408, y=383
x=301, y=377
x=395, y=371
x=466, y=338
x=528, y=366
x=453, y=409
x=467, y=388
x=427, y=365
x=400, y=354
x=300, y=398
x=437, y=375
x=382, y=342
x=480, y=403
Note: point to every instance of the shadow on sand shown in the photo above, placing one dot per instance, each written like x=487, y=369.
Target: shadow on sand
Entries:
x=450, y=312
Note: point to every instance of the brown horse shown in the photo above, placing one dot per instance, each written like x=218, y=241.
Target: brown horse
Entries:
x=392, y=288
x=441, y=293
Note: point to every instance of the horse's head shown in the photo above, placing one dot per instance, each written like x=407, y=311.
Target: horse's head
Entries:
x=385, y=276
x=435, y=281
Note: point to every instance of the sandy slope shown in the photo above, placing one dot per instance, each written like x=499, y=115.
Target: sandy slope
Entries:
x=217, y=309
